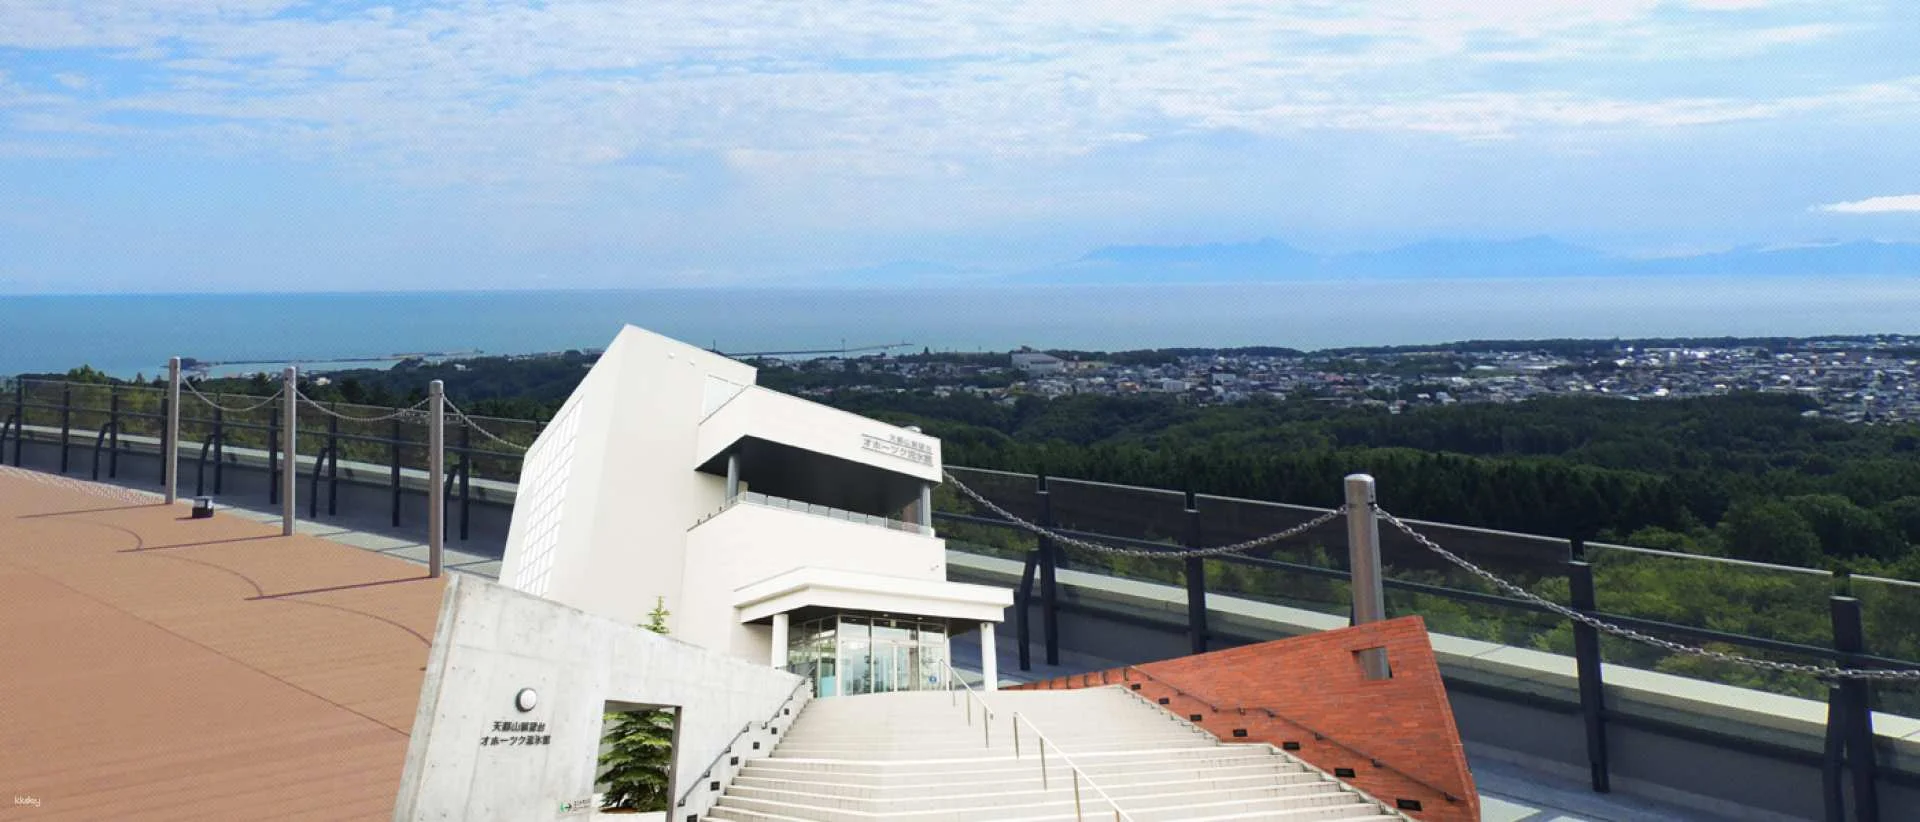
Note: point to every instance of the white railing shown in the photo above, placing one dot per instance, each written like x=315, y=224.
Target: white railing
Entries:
x=986, y=713
x=1078, y=774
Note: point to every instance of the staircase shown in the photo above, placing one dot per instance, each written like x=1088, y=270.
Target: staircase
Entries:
x=916, y=756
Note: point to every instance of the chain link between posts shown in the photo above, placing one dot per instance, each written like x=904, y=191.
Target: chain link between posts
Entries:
x=254, y=407
x=413, y=410
x=1821, y=671
x=1169, y=553
x=470, y=423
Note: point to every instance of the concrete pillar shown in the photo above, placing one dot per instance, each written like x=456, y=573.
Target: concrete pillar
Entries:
x=1363, y=557
x=926, y=508
x=778, y=656
x=289, y=470
x=436, y=475
x=989, y=659
x=170, y=461
x=733, y=476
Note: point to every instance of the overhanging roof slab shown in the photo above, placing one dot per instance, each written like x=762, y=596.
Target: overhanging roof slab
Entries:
x=775, y=417
x=852, y=590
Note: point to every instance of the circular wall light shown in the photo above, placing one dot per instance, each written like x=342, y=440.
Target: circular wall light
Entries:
x=525, y=700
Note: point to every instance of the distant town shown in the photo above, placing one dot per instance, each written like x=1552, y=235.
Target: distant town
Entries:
x=1859, y=379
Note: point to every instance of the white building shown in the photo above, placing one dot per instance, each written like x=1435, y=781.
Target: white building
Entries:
x=1035, y=362
x=773, y=528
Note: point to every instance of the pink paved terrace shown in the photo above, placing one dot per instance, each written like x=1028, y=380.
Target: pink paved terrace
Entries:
x=154, y=666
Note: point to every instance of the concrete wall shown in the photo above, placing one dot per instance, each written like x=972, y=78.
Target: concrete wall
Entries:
x=633, y=488
x=748, y=543
x=810, y=426
x=492, y=641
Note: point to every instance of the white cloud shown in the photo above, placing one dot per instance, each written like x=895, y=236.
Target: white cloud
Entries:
x=1896, y=203
x=464, y=91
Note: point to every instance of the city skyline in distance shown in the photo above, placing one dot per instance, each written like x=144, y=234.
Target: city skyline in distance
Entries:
x=275, y=145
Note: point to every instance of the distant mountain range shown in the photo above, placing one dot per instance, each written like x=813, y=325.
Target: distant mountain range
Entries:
x=1270, y=260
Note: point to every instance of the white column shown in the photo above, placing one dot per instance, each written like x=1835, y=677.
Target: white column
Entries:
x=778, y=656
x=926, y=508
x=436, y=475
x=733, y=476
x=170, y=462
x=289, y=470
x=989, y=659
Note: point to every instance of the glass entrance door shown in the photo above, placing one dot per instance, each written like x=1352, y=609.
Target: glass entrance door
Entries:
x=850, y=654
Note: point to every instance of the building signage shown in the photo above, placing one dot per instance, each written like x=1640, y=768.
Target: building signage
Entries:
x=577, y=807
x=895, y=445
x=519, y=733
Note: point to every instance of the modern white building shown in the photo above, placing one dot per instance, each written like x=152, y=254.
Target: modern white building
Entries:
x=772, y=528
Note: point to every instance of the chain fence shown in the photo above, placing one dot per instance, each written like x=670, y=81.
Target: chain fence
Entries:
x=1487, y=579
x=1820, y=671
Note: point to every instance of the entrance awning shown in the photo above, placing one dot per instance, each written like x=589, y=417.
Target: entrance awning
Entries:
x=855, y=591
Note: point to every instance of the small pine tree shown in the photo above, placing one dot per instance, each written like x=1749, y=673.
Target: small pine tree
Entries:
x=640, y=747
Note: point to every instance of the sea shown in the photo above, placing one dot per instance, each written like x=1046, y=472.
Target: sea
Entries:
x=133, y=334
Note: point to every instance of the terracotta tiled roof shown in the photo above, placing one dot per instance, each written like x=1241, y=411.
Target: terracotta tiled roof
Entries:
x=154, y=666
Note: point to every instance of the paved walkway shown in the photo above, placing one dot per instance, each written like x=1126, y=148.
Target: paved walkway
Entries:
x=156, y=666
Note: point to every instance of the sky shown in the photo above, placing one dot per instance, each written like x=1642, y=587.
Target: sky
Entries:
x=265, y=145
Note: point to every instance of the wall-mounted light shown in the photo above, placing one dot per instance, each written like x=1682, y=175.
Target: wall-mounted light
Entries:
x=525, y=700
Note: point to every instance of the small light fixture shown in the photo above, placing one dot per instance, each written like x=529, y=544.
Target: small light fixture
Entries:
x=202, y=507
x=525, y=700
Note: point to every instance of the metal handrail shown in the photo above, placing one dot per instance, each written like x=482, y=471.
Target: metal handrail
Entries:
x=1318, y=735
x=728, y=748
x=1078, y=773
x=986, y=711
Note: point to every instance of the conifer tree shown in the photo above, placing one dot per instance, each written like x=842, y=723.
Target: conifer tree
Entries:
x=639, y=747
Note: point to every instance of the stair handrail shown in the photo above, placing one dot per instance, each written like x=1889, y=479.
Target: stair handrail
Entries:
x=805, y=680
x=986, y=711
x=1318, y=735
x=1078, y=773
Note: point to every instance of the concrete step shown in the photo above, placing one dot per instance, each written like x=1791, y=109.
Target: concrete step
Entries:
x=870, y=797
x=1159, y=808
x=1267, y=766
x=917, y=757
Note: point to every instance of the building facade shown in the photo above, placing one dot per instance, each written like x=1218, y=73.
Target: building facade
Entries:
x=771, y=528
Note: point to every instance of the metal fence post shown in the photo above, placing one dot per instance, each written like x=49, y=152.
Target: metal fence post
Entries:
x=333, y=464
x=20, y=421
x=289, y=444
x=113, y=441
x=1586, y=655
x=1833, y=792
x=66, y=422
x=1856, y=710
x=273, y=459
x=1196, y=582
x=466, y=475
x=393, y=452
x=219, y=448
x=170, y=434
x=1363, y=561
x=436, y=475
x=1049, y=590
x=1023, y=611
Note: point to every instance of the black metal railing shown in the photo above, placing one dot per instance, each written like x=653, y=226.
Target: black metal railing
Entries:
x=126, y=420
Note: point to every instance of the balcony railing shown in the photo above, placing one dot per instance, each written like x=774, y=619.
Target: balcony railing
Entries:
x=771, y=501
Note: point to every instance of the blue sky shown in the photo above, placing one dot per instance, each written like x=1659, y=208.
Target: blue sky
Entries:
x=174, y=145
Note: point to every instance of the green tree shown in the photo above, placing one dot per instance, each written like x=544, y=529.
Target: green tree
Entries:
x=639, y=747
x=1770, y=531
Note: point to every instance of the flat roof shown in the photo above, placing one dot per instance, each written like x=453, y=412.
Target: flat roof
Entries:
x=159, y=666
